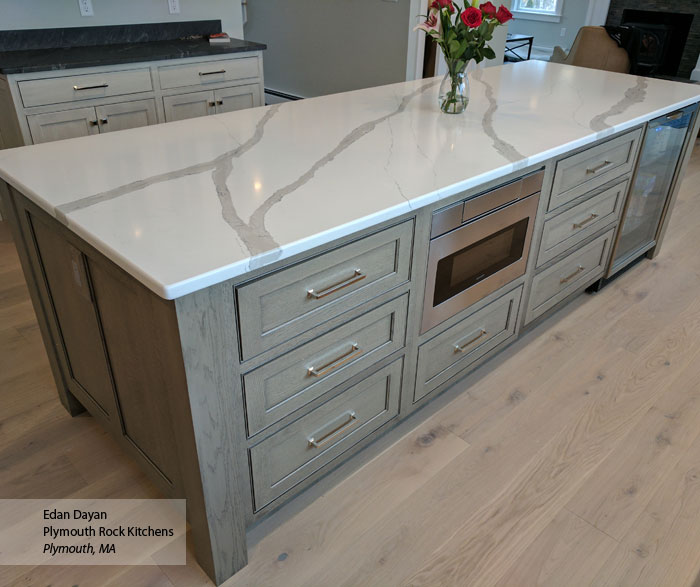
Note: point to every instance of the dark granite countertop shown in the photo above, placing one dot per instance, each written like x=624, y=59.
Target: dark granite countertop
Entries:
x=29, y=61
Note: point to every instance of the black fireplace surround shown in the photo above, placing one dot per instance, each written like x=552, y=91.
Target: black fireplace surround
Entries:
x=681, y=17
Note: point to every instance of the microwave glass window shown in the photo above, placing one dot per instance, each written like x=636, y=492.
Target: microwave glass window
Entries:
x=470, y=265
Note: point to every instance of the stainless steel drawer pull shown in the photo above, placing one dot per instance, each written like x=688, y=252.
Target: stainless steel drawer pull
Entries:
x=212, y=103
x=461, y=348
x=93, y=122
x=586, y=221
x=219, y=102
x=574, y=274
x=356, y=276
x=600, y=167
x=674, y=115
x=104, y=121
x=212, y=72
x=354, y=351
x=351, y=421
x=79, y=88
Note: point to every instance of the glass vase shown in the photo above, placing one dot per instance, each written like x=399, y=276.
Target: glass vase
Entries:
x=454, y=88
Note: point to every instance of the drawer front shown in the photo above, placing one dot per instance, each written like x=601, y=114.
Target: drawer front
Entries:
x=71, y=88
x=279, y=306
x=208, y=72
x=458, y=347
x=566, y=276
x=304, y=447
x=580, y=222
x=592, y=168
x=288, y=383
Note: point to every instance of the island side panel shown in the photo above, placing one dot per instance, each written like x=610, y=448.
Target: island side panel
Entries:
x=209, y=342
x=39, y=301
x=154, y=423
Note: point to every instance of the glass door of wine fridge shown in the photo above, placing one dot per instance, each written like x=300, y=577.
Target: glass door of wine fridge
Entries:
x=658, y=163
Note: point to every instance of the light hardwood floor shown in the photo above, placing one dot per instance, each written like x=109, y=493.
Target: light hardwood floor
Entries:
x=572, y=459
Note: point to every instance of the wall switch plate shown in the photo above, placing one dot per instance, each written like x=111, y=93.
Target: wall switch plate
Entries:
x=563, y=32
x=174, y=6
x=85, y=8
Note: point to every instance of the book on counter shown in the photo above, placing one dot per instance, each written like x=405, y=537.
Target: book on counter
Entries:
x=219, y=39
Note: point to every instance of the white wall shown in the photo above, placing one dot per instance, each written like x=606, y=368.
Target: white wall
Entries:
x=548, y=34
x=317, y=47
x=39, y=14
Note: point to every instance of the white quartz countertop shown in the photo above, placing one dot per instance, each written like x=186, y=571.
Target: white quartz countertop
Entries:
x=185, y=205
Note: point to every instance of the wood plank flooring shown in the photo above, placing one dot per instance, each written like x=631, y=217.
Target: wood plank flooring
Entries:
x=573, y=459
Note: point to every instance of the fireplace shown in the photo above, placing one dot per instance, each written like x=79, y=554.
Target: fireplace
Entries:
x=673, y=30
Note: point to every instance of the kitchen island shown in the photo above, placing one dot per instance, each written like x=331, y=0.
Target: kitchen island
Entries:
x=239, y=298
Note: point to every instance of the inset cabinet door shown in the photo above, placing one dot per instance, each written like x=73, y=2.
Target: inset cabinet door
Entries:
x=189, y=105
x=67, y=124
x=125, y=115
x=238, y=98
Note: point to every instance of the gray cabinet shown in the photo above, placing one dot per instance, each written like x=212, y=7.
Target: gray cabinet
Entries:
x=54, y=105
x=204, y=103
x=289, y=456
x=125, y=115
x=82, y=122
x=67, y=124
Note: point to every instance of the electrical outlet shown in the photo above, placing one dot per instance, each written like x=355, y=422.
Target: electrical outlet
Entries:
x=85, y=8
x=174, y=6
x=563, y=32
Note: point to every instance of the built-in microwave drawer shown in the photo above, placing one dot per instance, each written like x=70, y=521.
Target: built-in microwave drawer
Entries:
x=590, y=169
x=207, y=72
x=451, y=352
x=71, y=88
x=291, y=381
x=284, y=304
x=563, y=278
x=566, y=230
x=310, y=444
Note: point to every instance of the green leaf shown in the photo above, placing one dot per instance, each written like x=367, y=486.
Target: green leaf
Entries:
x=489, y=53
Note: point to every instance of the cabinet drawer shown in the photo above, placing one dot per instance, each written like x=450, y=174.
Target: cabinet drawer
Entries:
x=72, y=88
x=458, y=347
x=592, y=168
x=207, y=72
x=304, y=447
x=566, y=276
x=583, y=220
x=284, y=385
x=281, y=305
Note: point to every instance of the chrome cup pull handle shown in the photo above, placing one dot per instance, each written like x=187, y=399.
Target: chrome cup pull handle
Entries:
x=600, y=167
x=98, y=86
x=337, y=431
x=574, y=274
x=355, y=351
x=586, y=221
x=460, y=348
x=356, y=276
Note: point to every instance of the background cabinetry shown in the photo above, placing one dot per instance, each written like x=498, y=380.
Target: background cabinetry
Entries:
x=50, y=105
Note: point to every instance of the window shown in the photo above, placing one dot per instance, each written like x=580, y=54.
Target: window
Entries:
x=538, y=9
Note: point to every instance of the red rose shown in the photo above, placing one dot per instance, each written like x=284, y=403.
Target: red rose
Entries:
x=440, y=4
x=488, y=9
x=503, y=15
x=471, y=17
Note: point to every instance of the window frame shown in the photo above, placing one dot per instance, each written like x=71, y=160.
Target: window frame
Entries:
x=530, y=14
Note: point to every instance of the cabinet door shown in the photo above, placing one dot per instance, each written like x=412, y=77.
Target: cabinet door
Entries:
x=238, y=98
x=126, y=115
x=189, y=105
x=67, y=282
x=68, y=124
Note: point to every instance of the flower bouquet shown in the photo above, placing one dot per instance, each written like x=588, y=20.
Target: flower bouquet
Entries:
x=463, y=35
